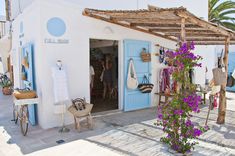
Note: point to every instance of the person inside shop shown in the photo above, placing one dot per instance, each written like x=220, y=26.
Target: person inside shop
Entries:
x=107, y=78
x=92, y=76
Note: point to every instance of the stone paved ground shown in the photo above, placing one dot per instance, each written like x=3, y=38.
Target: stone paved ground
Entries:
x=118, y=133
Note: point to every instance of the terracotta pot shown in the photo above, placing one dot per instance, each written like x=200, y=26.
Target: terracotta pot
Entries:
x=6, y=90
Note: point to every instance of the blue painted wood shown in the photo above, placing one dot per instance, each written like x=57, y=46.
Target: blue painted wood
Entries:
x=231, y=67
x=134, y=99
x=28, y=52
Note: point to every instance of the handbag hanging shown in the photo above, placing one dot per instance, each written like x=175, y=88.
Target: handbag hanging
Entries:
x=219, y=76
x=145, y=86
x=132, y=82
x=145, y=56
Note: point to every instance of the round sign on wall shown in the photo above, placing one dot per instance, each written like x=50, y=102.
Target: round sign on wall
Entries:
x=56, y=26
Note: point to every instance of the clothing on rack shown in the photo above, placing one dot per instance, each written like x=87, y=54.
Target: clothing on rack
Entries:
x=166, y=81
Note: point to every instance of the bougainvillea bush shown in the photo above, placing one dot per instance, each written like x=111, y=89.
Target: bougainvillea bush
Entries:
x=175, y=116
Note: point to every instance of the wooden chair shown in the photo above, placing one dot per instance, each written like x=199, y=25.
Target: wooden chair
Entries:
x=166, y=98
x=79, y=114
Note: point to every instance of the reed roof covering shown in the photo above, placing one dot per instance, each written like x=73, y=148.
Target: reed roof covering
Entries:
x=169, y=23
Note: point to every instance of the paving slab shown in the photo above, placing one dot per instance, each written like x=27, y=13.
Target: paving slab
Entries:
x=118, y=133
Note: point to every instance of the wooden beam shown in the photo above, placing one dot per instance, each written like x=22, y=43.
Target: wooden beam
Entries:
x=127, y=26
x=196, y=34
x=222, y=100
x=164, y=25
x=146, y=20
x=182, y=32
x=178, y=29
x=202, y=23
x=205, y=38
x=212, y=43
x=7, y=9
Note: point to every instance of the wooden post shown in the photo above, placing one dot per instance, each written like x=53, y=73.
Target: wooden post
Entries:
x=222, y=101
x=7, y=9
x=182, y=36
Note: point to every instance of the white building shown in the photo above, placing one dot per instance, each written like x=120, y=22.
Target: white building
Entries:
x=30, y=26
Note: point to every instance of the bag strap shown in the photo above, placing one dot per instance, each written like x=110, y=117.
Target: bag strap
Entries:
x=145, y=80
x=132, y=69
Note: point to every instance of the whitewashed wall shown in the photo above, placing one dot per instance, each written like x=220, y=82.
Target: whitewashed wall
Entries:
x=75, y=54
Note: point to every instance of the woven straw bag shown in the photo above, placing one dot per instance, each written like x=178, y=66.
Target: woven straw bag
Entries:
x=25, y=94
x=145, y=56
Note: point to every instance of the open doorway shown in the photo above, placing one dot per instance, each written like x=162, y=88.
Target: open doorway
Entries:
x=104, y=74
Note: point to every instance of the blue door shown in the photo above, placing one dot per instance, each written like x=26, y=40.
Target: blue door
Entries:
x=27, y=53
x=231, y=67
x=134, y=99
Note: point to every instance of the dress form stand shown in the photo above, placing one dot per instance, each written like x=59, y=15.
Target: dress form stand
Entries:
x=63, y=129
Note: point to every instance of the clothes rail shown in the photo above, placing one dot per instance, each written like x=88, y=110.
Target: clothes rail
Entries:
x=157, y=45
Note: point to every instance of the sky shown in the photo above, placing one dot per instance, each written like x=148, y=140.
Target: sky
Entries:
x=2, y=7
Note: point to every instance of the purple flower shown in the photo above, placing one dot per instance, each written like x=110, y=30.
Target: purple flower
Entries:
x=206, y=128
x=184, y=47
x=178, y=112
x=193, y=102
x=170, y=54
x=196, y=132
x=192, y=45
x=160, y=116
x=189, y=123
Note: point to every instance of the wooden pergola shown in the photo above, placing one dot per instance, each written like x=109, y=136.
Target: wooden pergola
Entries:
x=172, y=23
x=175, y=24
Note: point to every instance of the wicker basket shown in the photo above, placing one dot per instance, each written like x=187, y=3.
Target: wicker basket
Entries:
x=80, y=113
x=25, y=94
x=146, y=57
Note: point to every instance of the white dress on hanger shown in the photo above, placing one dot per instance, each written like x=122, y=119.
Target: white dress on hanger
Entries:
x=60, y=88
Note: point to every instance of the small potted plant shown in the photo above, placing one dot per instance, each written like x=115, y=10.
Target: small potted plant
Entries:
x=6, y=84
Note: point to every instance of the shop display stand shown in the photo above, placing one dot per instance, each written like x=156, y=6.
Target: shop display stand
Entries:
x=63, y=129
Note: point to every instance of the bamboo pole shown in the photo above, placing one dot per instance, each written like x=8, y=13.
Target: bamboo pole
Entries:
x=222, y=101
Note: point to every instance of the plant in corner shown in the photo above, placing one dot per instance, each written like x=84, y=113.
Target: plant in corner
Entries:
x=175, y=116
x=6, y=84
